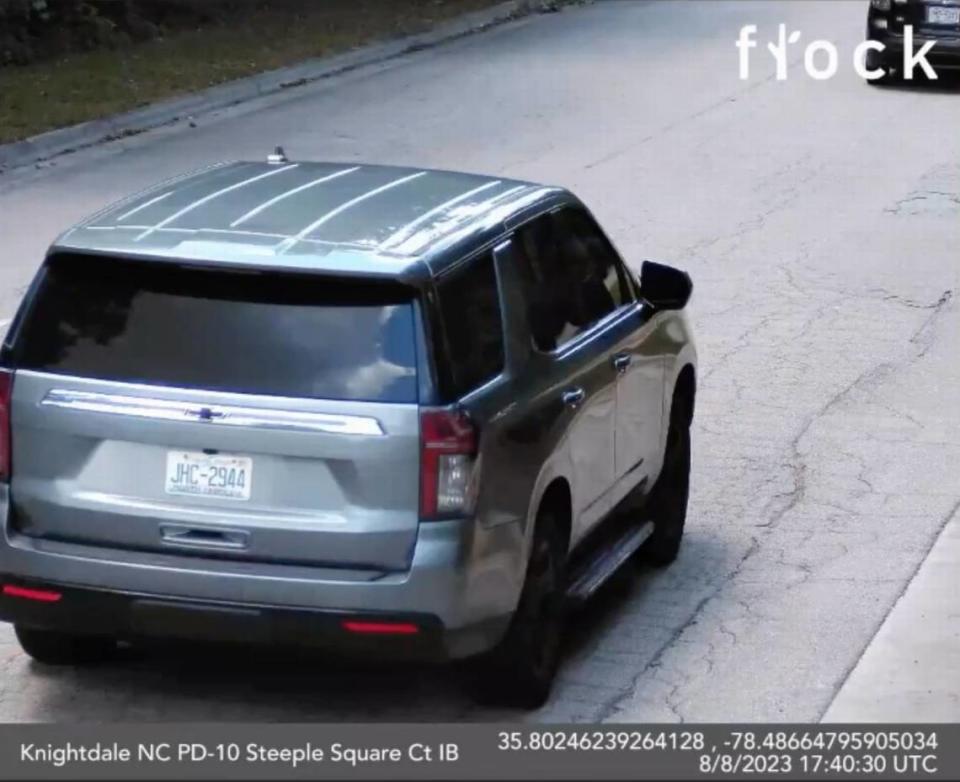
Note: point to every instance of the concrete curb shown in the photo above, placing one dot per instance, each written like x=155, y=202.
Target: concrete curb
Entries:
x=910, y=670
x=87, y=134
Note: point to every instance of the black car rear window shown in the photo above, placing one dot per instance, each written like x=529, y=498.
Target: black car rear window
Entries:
x=260, y=333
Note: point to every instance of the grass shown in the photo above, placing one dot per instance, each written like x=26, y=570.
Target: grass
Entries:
x=89, y=85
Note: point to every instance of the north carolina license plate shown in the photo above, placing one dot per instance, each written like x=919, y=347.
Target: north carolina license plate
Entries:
x=209, y=475
x=943, y=15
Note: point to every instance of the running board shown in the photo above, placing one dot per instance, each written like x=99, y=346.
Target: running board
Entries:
x=607, y=561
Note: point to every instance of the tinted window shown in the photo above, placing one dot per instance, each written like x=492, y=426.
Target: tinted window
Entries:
x=263, y=333
x=472, y=324
x=572, y=274
x=593, y=262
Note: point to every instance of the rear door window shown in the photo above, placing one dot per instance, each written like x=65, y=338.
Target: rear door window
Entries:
x=472, y=324
x=260, y=333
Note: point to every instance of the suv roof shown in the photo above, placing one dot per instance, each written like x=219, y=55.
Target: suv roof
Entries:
x=337, y=217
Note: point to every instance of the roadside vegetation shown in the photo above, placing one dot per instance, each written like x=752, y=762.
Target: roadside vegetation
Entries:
x=67, y=61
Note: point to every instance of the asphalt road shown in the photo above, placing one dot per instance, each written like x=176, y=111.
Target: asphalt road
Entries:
x=820, y=221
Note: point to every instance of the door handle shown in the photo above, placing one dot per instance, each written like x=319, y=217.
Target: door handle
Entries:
x=621, y=361
x=208, y=538
x=573, y=397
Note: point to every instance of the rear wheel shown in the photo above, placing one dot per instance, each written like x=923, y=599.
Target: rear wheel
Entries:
x=53, y=648
x=520, y=671
x=667, y=505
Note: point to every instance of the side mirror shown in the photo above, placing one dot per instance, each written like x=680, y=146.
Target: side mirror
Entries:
x=664, y=287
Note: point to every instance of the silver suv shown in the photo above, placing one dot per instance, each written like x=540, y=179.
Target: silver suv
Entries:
x=410, y=412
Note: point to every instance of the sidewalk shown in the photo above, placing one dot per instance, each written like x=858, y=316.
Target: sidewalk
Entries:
x=910, y=672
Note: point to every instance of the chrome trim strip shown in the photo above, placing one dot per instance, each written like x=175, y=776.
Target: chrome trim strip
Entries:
x=204, y=536
x=144, y=205
x=595, y=330
x=277, y=199
x=218, y=415
x=288, y=243
x=403, y=233
x=207, y=198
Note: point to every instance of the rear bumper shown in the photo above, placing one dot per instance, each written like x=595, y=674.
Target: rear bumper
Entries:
x=136, y=617
x=461, y=589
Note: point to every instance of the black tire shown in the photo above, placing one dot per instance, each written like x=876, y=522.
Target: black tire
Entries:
x=872, y=63
x=519, y=672
x=667, y=505
x=53, y=648
x=883, y=81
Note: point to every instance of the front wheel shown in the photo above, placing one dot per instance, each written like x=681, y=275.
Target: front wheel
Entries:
x=668, y=500
x=519, y=672
x=874, y=62
x=54, y=648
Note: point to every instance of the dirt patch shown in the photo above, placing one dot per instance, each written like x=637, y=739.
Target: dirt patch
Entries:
x=89, y=85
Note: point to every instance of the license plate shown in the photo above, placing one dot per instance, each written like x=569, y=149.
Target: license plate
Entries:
x=209, y=475
x=943, y=15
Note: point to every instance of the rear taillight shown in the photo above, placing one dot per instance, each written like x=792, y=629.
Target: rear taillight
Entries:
x=448, y=447
x=6, y=392
x=40, y=595
x=381, y=628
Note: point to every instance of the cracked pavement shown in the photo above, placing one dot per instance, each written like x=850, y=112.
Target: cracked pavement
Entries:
x=820, y=223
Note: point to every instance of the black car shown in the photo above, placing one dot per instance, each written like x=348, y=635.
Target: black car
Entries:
x=931, y=20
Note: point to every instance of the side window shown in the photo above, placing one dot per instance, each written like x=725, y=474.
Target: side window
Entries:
x=544, y=287
x=572, y=276
x=472, y=323
x=594, y=263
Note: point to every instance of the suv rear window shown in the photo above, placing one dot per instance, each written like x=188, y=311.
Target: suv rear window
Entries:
x=249, y=332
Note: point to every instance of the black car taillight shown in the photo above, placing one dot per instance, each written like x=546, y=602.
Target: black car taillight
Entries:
x=6, y=393
x=448, y=447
